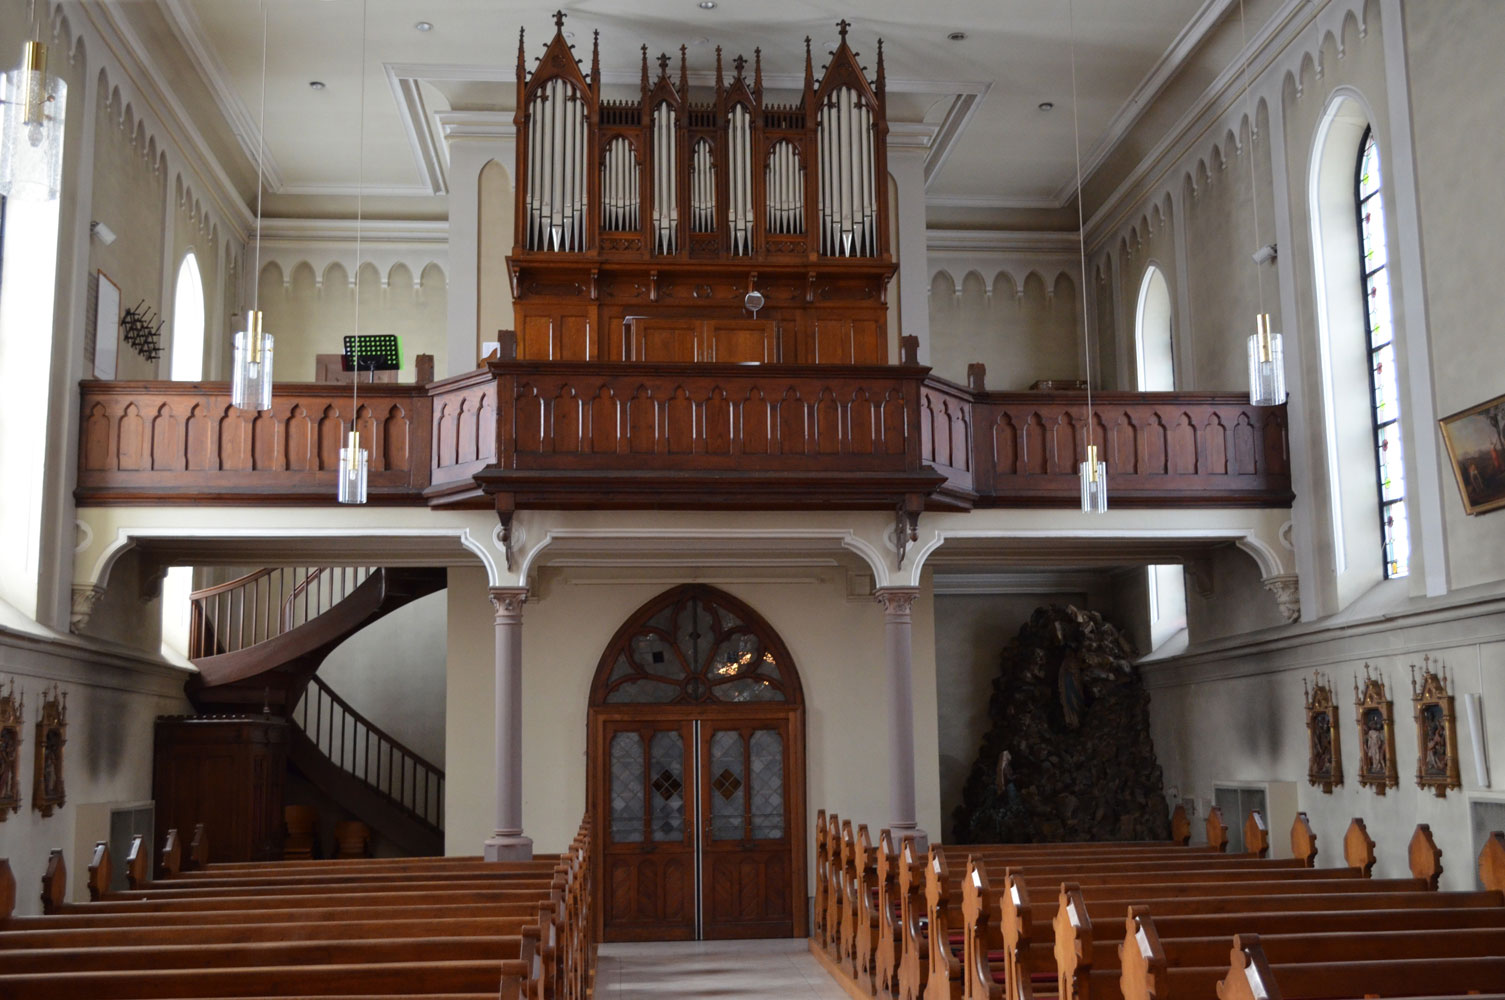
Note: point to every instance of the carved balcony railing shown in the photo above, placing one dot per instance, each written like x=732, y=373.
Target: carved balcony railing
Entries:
x=545, y=434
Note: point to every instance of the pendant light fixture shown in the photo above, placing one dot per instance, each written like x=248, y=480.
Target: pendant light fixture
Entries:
x=353, y=458
x=32, y=105
x=1267, y=369
x=1093, y=471
x=251, y=361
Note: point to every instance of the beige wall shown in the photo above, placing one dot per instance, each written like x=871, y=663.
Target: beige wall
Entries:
x=1239, y=716
x=836, y=642
x=1456, y=75
x=1023, y=329
x=497, y=211
x=311, y=313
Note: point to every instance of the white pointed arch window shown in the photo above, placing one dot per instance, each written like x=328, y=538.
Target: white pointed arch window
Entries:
x=1155, y=371
x=188, y=322
x=1154, y=350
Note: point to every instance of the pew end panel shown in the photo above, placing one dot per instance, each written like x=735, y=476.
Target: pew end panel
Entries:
x=1180, y=826
x=1492, y=863
x=1256, y=835
x=1358, y=847
x=886, y=955
x=978, y=982
x=1014, y=904
x=847, y=944
x=100, y=871
x=1303, y=841
x=1073, y=942
x=7, y=890
x=1424, y=856
x=1141, y=958
x=822, y=855
x=1249, y=976
x=1217, y=830
x=172, y=854
x=137, y=863
x=914, y=951
x=55, y=883
x=866, y=915
x=944, y=969
x=198, y=847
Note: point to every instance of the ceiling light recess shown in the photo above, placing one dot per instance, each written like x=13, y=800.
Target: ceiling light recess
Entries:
x=956, y=36
x=316, y=84
x=1047, y=105
x=424, y=26
x=707, y=4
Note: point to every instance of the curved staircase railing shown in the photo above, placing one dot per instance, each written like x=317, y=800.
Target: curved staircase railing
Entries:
x=364, y=751
x=262, y=605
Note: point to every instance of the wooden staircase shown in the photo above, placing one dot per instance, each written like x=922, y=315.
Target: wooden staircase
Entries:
x=258, y=642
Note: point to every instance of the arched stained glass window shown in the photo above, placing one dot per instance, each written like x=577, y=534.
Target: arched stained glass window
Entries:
x=1383, y=378
x=695, y=646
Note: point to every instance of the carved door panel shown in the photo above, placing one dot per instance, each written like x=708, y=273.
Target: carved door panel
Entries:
x=648, y=871
x=842, y=340
x=745, y=829
x=742, y=341
x=665, y=340
x=546, y=337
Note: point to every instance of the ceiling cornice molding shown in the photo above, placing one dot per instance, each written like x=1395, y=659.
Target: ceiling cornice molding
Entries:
x=412, y=111
x=186, y=26
x=335, y=189
x=1154, y=83
x=987, y=201
x=490, y=126
x=1272, y=38
x=372, y=231
x=974, y=241
x=913, y=136
x=140, y=68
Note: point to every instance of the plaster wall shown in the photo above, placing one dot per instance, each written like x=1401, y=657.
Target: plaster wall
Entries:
x=112, y=702
x=312, y=313
x=1237, y=715
x=392, y=671
x=1452, y=57
x=1023, y=329
x=837, y=643
x=494, y=305
x=130, y=196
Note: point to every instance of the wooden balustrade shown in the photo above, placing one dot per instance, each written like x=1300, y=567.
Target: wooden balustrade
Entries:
x=182, y=442
x=621, y=435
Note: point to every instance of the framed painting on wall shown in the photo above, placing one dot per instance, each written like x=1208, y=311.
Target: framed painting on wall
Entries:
x=1324, y=748
x=1376, y=718
x=1475, y=439
x=11, y=708
x=48, y=791
x=1436, y=731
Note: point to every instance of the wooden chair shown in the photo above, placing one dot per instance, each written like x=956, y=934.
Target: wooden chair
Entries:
x=352, y=839
x=302, y=823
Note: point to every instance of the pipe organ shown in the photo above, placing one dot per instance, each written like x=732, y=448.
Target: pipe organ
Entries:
x=644, y=220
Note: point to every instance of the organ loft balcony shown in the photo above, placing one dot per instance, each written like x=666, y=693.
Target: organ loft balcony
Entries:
x=603, y=435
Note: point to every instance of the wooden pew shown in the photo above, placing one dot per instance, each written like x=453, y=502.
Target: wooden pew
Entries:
x=1251, y=975
x=1089, y=968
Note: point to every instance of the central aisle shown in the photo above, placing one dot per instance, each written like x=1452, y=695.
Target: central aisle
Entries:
x=781, y=969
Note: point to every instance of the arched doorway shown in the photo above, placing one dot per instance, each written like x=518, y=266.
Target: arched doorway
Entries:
x=697, y=774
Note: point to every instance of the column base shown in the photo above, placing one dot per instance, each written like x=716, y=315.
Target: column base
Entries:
x=503, y=847
x=900, y=833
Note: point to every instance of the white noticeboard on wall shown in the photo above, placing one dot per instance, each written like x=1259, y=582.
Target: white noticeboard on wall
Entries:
x=106, y=327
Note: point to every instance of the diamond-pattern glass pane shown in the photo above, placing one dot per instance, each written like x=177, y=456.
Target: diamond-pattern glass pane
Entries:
x=1382, y=368
x=766, y=748
x=627, y=788
x=667, y=765
x=749, y=689
x=643, y=691
x=727, y=780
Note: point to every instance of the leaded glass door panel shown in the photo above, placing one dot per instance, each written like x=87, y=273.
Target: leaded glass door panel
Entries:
x=648, y=883
x=745, y=833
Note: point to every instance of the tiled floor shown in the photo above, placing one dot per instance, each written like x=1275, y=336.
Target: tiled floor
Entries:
x=745, y=970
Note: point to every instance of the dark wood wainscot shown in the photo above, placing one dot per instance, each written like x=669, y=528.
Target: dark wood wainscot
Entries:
x=227, y=772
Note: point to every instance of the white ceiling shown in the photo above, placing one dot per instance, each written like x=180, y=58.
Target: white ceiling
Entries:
x=986, y=88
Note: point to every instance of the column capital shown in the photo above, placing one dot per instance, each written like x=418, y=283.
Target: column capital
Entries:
x=508, y=602
x=898, y=602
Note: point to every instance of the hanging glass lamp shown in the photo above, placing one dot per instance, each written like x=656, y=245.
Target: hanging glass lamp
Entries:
x=1267, y=370
x=251, y=366
x=1094, y=483
x=31, y=128
x=352, y=488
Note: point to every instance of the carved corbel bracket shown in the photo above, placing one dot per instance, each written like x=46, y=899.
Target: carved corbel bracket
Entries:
x=1287, y=591
x=84, y=600
x=1199, y=572
x=506, y=510
x=907, y=525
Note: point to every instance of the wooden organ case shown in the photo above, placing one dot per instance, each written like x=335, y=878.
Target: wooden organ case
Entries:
x=643, y=225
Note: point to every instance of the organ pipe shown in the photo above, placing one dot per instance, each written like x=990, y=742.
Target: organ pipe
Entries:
x=702, y=189
x=619, y=184
x=785, y=186
x=556, y=192
x=665, y=181
x=848, y=188
x=740, y=214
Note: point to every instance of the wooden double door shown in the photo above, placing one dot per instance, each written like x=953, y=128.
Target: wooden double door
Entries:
x=699, y=817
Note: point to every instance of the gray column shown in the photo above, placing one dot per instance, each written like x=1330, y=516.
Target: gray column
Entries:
x=508, y=842
x=898, y=603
